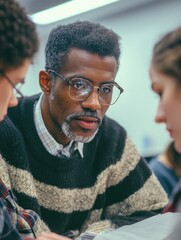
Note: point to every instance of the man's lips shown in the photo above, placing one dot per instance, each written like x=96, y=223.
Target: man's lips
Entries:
x=87, y=122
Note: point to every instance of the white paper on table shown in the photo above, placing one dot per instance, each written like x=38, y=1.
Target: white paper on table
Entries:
x=154, y=228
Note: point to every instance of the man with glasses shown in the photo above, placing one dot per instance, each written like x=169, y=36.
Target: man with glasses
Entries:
x=82, y=167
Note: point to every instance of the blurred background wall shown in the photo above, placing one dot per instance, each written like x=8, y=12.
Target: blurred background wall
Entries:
x=140, y=23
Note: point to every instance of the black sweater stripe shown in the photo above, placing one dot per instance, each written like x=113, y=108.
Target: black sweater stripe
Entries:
x=130, y=184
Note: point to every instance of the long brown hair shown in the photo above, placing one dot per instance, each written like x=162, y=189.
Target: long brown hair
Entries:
x=174, y=158
x=166, y=57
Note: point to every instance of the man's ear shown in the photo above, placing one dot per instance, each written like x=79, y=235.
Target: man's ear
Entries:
x=44, y=81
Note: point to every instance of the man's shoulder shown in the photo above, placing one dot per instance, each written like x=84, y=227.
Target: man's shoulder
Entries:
x=5, y=126
x=17, y=116
x=23, y=102
x=25, y=105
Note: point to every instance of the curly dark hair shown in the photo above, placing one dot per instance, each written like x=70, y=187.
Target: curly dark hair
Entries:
x=18, y=37
x=167, y=55
x=84, y=35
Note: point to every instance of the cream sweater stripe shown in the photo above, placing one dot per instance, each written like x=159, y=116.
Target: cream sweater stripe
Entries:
x=60, y=199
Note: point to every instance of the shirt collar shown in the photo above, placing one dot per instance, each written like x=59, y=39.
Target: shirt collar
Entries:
x=48, y=141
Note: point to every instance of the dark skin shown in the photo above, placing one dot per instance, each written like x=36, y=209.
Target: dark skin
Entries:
x=80, y=63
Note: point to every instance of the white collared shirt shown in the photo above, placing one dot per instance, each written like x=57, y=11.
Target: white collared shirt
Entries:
x=52, y=146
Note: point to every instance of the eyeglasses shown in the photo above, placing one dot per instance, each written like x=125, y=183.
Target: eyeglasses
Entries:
x=16, y=87
x=80, y=89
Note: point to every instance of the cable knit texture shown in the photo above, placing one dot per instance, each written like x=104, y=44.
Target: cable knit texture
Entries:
x=111, y=179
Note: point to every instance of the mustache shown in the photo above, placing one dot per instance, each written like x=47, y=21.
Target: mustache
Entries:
x=84, y=114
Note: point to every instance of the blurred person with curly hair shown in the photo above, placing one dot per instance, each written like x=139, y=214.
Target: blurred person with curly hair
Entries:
x=18, y=45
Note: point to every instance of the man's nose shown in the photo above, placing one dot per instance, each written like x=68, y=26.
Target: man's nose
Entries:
x=92, y=101
x=160, y=115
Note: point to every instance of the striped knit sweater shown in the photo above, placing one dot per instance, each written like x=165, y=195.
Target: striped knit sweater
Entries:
x=74, y=193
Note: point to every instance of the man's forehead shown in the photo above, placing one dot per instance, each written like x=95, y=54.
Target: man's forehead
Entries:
x=77, y=57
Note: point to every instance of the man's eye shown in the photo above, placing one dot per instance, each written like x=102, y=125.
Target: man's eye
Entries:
x=106, y=89
x=77, y=84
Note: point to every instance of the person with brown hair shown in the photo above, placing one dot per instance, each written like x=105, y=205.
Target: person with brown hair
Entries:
x=165, y=73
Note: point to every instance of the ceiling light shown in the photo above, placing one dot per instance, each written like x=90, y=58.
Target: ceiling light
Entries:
x=67, y=10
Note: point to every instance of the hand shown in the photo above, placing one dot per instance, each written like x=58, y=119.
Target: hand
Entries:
x=51, y=236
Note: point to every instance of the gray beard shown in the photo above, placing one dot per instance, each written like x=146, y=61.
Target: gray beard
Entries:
x=66, y=130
